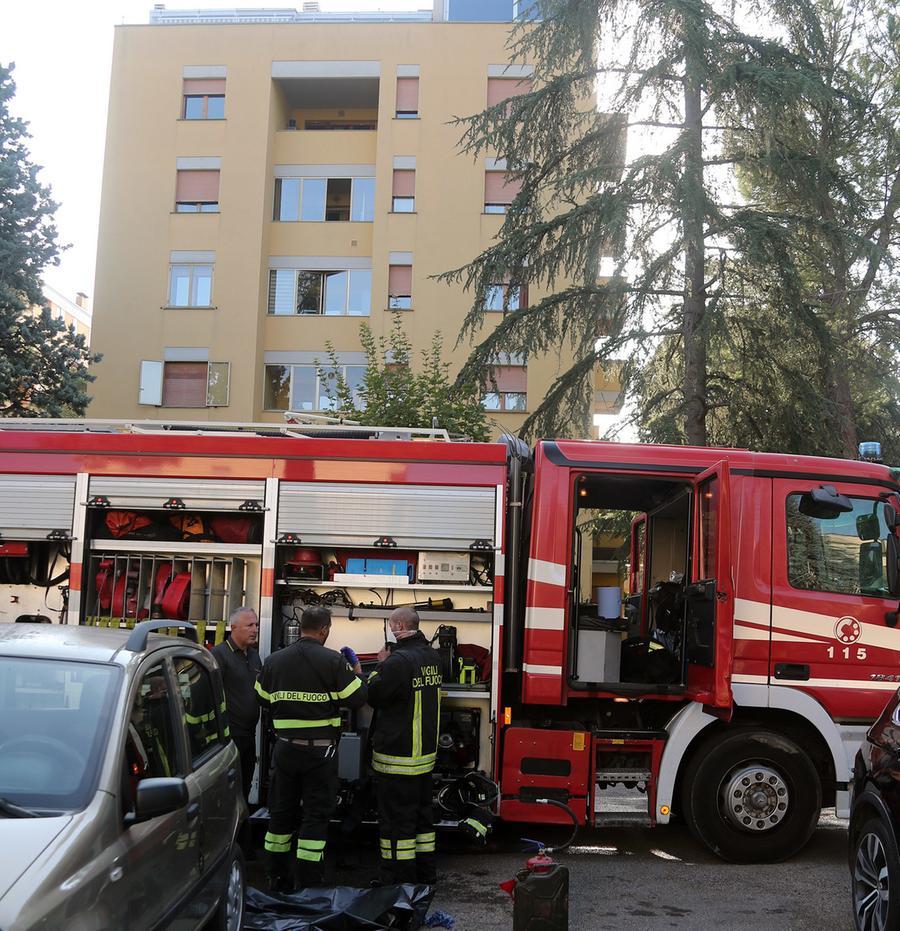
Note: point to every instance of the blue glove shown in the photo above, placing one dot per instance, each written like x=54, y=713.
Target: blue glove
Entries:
x=349, y=655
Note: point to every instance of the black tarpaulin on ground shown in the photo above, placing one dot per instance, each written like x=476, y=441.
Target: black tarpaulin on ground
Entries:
x=338, y=908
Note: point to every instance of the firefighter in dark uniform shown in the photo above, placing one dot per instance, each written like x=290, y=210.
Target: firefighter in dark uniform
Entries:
x=405, y=691
x=304, y=686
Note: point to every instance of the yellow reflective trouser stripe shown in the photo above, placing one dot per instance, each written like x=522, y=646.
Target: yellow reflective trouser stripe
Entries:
x=425, y=843
x=262, y=692
x=417, y=726
x=347, y=692
x=277, y=843
x=386, y=849
x=227, y=731
x=406, y=849
x=311, y=850
x=477, y=825
x=314, y=856
x=283, y=723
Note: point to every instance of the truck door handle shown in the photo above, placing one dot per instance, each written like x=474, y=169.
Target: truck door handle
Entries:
x=193, y=810
x=232, y=776
x=796, y=671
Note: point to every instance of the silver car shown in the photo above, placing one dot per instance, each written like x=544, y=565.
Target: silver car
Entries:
x=120, y=796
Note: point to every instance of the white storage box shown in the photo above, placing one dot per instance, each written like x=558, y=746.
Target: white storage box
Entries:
x=599, y=655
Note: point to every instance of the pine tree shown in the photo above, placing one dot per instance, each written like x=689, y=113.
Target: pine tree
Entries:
x=679, y=78
x=43, y=363
x=808, y=362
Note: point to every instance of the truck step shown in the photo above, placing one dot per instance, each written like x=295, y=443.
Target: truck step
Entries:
x=622, y=819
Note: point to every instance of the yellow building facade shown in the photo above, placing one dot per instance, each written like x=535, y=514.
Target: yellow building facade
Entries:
x=274, y=178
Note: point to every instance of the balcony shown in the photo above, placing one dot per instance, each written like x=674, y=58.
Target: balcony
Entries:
x=324, y=147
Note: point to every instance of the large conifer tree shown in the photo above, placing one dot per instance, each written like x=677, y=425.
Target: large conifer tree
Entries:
x=691, y=86
x=43, y=363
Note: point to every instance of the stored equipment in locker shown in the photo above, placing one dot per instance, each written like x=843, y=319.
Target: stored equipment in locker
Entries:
x=379, y=566
x=443, y=567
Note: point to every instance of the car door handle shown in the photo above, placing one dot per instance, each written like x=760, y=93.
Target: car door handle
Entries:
x=193, y=810
x=232, y=776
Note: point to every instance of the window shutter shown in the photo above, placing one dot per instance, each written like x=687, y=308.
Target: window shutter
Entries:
x=151, y=383
x=184, y=384
x=408, y=95
x=399, y=280
x=194, y=186
x=197, y=86
x=404, y=183
x=511, y=378
x=500, y=89
x=499, y=188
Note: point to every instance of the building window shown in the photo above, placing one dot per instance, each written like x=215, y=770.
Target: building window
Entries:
x=203, y=99
x=197, y=191
x=404, y=191
x=184, y=384
x=400, y=287
x=501, y=297
x=499, y=191
x=509, y=401
x=307, y=388
x=508, y=389
x=324, y=199
x=407, y=99
x=190, y=285
x=500, y=89
x=320, y=293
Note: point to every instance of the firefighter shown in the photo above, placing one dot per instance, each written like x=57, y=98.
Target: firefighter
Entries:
x=304, y=686
x=405, y=691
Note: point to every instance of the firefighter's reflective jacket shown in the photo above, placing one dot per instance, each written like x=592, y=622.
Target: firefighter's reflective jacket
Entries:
x=405, y=691
x=305, y=685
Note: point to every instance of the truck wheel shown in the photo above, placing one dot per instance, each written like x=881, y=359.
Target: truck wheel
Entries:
x=752, y=796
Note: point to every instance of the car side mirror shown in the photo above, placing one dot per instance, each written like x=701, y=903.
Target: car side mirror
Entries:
x=155, y=797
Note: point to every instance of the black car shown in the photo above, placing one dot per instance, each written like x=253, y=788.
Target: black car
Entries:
x=875, y=825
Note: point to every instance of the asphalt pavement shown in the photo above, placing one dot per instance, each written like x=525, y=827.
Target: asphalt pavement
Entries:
x=623, y=879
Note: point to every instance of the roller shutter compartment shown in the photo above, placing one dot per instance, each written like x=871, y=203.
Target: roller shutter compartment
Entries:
x=414, y=516
x=195, y=494
x=34, y=506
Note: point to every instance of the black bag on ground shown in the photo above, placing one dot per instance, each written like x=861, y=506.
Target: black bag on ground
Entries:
x=338, y=908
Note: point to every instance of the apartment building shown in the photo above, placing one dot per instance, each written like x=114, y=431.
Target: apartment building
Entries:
x=75, y=314
x=275, y=177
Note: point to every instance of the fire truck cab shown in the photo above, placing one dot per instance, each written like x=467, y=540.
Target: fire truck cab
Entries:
x=756, y=643
x=725, y=673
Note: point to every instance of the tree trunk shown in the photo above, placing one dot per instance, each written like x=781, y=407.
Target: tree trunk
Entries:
x=692, y=328
x=842, y=402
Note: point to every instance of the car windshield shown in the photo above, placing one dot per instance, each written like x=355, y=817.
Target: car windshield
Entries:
x=54, y=722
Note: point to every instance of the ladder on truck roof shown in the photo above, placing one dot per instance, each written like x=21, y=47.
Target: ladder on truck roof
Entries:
x=297, y=425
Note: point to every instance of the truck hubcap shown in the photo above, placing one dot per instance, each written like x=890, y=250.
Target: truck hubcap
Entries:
x=754, y=798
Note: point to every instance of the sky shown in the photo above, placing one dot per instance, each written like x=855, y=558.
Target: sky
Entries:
x=62, y=50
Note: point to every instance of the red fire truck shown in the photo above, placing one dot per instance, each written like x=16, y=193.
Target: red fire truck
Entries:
x=756, y=638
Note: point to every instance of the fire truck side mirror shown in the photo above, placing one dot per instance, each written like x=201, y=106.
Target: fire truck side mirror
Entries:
x=824, y=503
x=893, y=565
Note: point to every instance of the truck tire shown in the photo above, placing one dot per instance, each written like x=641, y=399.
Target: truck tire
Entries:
x=751, y=796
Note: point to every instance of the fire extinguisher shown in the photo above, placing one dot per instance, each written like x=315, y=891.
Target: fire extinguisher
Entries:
x=540, y=892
